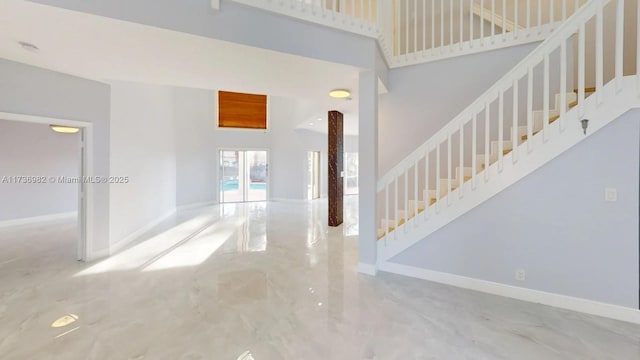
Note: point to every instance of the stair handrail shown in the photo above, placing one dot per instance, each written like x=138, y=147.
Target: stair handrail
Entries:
x=562, y=33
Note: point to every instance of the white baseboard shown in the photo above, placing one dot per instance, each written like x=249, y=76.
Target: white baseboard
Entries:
x=297, y=201
x=196, y=205
x=536, y=296
x=39, y=219
x=122, y=243
x=367, y=269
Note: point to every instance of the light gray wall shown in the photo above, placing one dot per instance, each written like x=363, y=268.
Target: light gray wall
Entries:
x=29, y=90
x=198, y=141
x=35, y=150
x=236, y=23
x=555, y=225
x=423, y=98
x=142, y=149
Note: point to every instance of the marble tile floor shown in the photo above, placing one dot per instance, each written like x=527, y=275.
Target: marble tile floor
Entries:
x=263, y=281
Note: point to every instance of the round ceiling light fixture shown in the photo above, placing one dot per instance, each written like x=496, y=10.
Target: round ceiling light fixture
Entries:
x=340, y=93
x=29, y=46
x=64, y=129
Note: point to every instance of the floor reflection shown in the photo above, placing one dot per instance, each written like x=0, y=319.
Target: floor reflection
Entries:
x=242, y=287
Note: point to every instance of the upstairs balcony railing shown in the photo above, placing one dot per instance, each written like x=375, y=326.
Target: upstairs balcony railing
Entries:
x=417, y=31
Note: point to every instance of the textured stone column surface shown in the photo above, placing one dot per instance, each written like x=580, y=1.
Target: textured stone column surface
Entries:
x=336, y=158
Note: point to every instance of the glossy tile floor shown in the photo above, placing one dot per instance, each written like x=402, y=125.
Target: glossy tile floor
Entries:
x=263, y=281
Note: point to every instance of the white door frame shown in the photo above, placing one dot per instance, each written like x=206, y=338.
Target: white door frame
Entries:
x=221, y=149
x=85, y=201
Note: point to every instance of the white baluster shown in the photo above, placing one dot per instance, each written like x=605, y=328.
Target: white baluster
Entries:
x=515, y=138
x=500, y=130
x=461, y=23
x=599, y=55
x=545, y=100
x=449, y=157
x=415, y=27
x=528, y=27
x=461, y=164
x=563, y=83
x=487, y=139
x=619, y=44
x=530, y=110
x=441, y=26
x=438, y=178
x=474, y=150
x=552, y=13
x=451, y=24
x=539, y=16
x=406, y=3
x=415, y=193
x=504, y=20
x=398, y=26
x=482, y=22
x=395, y=208
x=581, y=68
x=493, y=21
x=515, y=19
x=433, y=25
x=427, y=196
x=406, y=198
x=424, y=26
x=471, y=16
x=564, y=10
x=386, y=213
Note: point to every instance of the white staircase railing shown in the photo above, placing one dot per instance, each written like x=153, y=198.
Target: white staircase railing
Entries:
x=519, y=121
x=357, y=16
x=427, y=30
x=417, y=31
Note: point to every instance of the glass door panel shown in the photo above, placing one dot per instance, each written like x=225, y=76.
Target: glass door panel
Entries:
x=313, y=185
x=243, y=176
x=258, y=171
x=351, y=174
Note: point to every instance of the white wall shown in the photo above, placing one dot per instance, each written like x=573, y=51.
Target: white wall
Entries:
x=555, y=225
x=35, y=150
x=237, y=23
x=198, y=141
x=33, y=91
x=423, y=98
x=143, y=149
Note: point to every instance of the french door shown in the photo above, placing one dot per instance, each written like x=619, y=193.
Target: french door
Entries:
x=244, y=175
x=313, y=175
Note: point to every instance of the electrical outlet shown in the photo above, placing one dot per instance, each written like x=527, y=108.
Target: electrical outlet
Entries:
x=610, y=194
x=520, y=275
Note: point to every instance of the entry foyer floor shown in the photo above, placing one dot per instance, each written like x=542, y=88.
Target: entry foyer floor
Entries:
x=263, y=281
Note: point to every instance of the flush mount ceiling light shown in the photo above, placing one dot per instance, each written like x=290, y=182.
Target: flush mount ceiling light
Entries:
x=340, y=93
x=64, y=129
x=29, y=46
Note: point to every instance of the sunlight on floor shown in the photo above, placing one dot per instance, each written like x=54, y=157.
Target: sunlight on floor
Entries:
x=198, y=249
x=144, y=253
x=192, y=242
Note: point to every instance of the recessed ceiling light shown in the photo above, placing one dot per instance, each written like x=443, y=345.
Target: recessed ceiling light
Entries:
x=311, y=123
x=64, y=129
x=29, y=46
x=319, y=119
x=340, y=93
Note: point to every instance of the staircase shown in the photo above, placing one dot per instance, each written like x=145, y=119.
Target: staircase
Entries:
x=526, y=119
x=465, y=174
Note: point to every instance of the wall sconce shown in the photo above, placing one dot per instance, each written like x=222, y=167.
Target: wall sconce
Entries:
x=585, y=124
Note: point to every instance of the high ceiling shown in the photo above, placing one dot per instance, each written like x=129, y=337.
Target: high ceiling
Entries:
x=107, y=49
